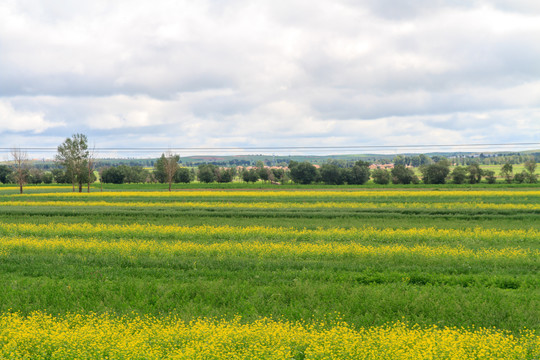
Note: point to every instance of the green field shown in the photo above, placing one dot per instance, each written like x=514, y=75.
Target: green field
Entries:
x=465, y=257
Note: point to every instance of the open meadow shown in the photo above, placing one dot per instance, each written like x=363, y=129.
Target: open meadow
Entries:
x=274, y=273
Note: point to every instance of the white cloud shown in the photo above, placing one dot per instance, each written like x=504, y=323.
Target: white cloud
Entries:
x=283, y=73
x=19, y=121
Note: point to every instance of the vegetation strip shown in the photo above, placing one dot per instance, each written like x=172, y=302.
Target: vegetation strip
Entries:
x=294, y=193
x=258, y=248
x=278, y=205
x=146, y=231
x=103, y=336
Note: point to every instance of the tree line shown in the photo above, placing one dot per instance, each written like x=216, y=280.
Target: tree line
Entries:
x=77, y=166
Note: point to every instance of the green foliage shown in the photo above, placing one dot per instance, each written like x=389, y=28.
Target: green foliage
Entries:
x=183, y=175
x=4, y=173
x=507, y=172
x=403, y=175
x=459, y=175
x=303, y=173
x=490, y=176
x=381, y=176
x=332, y=174
x=207, y=173
x=358, y=174
x=475, y=173
x=435, y=173
x=73, y=155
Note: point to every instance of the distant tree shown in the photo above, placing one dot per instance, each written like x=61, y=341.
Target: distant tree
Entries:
x=250, y=175
x=207, y=173
x=381, y=176
x=20, y=160
x=359, y=173
x=332, y=175
x=435, y=173
x=4, y=173
x=278, y=174
x=224, y=175
x=113, y=175
x=47, y=177
x=170, y=167
x=530, y=167
x=507, y=172
x=303, y=173
x=459, y=175
x=183, y=175
x=474, y=173
x=490, y=176
x=403, y=175
x=520, y=177
x=60, y=176
x=34, y=176
x=73, y=155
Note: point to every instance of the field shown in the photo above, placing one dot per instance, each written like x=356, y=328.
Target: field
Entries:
x=274, y=273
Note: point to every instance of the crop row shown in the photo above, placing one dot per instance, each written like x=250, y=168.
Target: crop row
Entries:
x=261, y=249
x=282, y=205
x=41, y=336
x=248, y=233
x=296, y=193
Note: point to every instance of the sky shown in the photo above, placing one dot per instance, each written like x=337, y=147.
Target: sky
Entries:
x=228, y=73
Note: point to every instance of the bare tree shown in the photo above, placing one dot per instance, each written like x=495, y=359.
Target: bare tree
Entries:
x=20, y=158
x=170, y=166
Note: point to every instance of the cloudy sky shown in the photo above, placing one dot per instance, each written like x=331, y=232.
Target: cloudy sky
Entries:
x=227, y=73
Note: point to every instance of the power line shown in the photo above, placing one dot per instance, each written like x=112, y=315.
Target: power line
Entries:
x=310, y=148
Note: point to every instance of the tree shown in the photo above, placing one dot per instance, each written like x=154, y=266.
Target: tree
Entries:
x=474, y=173
x=490, y=176
x=20, y=159
x=403, y=175
x=112, y=175
x=171, y=167
x=5, y=171
x=303, y=173
x=381, y=176
x=183, y=175
x=507, y=172
x=73, y=154
x=207, y=173
x=435, y=173
x=459, y=175
x=332, y=175
x=250, y=175
x=359, y=173
x=530, y=166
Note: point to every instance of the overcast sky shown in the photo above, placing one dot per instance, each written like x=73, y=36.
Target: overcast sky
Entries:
x=269, y=73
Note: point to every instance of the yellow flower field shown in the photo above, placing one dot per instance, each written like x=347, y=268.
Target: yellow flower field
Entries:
x=253, y=232
x=257, y=249
x=74, y=336
x=280, y=205
x=295, y=193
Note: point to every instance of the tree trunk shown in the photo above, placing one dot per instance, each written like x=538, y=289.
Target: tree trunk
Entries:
x=169, y=186
x=80, y=187
x=21, y=187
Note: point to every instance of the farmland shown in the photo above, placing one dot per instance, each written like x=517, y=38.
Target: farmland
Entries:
x=300, y=272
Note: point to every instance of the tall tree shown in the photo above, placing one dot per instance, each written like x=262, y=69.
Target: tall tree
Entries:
x=73, y=154
x=20, y=159
x=507, y=172
x=171, y=167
